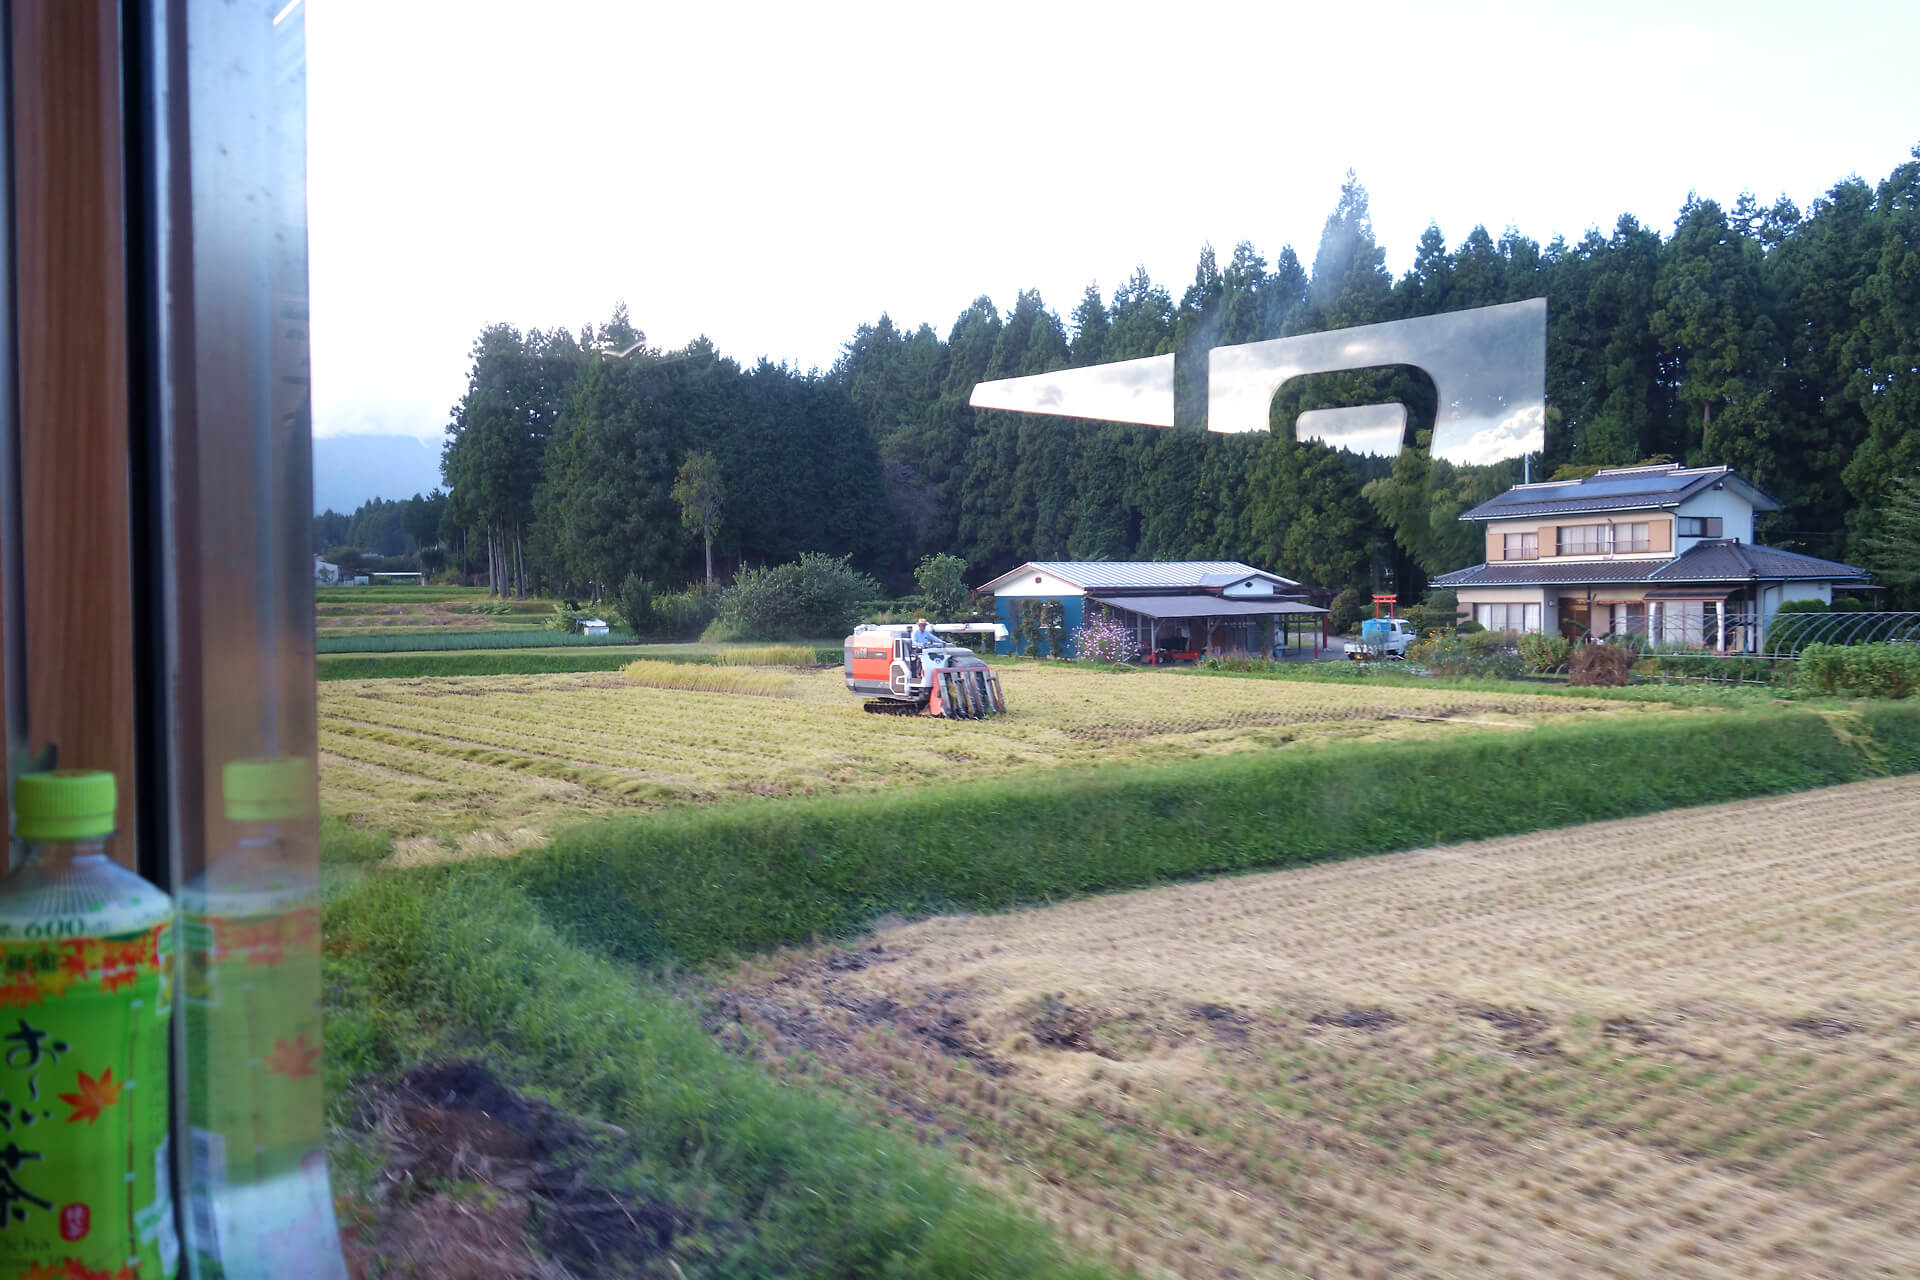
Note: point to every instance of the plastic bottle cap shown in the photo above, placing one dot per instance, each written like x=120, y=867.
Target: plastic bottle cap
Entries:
x=66, y=804
x=269, y=789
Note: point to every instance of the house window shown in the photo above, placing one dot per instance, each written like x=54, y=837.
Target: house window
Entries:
x=1582, y=540
x=1700, y=526
x=1522, y=546
x=1603, y=539
x=1630, y=619
x=1508, y=617
x=1689, y=623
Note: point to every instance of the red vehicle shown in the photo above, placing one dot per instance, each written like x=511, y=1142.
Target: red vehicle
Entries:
x=899, y=678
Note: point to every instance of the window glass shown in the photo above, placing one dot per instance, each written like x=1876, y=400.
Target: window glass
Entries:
x=1582, y=539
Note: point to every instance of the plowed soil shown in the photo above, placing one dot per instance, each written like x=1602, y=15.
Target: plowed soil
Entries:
x=1685, y=1045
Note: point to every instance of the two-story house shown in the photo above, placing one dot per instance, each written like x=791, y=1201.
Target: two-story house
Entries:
x=1661, y=551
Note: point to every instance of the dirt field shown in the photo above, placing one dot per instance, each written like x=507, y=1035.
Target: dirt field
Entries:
x=455, y=754
x=1685, y=1045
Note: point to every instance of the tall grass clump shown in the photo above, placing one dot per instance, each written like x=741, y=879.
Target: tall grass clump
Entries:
x=771, y=655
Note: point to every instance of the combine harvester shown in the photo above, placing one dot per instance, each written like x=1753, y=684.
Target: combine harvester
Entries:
x=946, y=680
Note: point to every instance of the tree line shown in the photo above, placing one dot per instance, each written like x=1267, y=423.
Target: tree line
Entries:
x=1783, y=342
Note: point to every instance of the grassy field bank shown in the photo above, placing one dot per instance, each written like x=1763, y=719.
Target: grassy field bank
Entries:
x=693, y=884
x=1684, y=1045
x=431, y=756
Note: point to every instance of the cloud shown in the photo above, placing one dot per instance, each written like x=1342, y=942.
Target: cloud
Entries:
x=1523, y=431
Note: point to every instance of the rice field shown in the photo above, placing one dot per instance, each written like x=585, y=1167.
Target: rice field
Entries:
x=349, y=611
x=1684, y=1045
x=482, y=756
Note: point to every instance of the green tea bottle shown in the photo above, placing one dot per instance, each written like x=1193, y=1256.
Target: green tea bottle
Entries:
x=86, y=949
x=256, y=1101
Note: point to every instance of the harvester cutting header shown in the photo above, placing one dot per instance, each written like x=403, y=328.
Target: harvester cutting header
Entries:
x=938, y=678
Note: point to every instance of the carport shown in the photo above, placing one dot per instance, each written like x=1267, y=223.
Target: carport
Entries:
x=1195, y=626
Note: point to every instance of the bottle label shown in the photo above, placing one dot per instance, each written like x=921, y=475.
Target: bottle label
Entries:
x=84, y=1185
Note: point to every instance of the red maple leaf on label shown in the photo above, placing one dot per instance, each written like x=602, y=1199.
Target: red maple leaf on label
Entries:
x=47, y=1271
x=19, y=993
x=92, y=1097
x=295, y=1060
x=79, y=957
x=112, y=982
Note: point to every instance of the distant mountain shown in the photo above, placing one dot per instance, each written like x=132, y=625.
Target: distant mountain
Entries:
x=348, y=470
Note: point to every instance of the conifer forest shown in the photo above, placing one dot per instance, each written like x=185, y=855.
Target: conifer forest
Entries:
x=1784, y=342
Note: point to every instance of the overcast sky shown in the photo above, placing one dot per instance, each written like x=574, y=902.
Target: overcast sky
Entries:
x=774, y=177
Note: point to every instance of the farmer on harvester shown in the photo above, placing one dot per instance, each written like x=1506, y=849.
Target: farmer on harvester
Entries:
x=921, y=636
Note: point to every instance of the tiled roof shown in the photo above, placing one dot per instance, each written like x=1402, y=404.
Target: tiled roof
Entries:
x=1725, y=560
x=1620, y=489
x=1535, y=573
x=1722, y=560
x=1145, y=575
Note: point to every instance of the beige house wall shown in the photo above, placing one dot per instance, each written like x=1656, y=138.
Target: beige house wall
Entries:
x=1659, y=535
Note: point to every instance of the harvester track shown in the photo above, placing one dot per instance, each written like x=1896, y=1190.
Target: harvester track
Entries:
x=888, y=707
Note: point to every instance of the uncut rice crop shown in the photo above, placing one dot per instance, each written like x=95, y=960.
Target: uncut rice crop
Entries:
x=751, y=679
x=1679, y=1045
x=766, y=655
x=433, y=754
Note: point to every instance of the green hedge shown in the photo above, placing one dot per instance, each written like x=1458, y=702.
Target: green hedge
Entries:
x=697, y=884
x=1859, y=670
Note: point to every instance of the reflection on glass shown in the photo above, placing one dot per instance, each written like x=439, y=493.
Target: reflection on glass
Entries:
x=1489, y=366
x=230, y=221
x=1376, y=429
x=256, y=1100
x=1124, y=391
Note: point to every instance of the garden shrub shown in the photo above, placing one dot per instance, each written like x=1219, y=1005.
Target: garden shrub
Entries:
x=683, y=615
x=1544, y=653
x=635, y=604
x=1798, y=621
x=1860, y=670
x=1426, y=620
x=1600, y=664
x=1347, y=609
x=1488, y=655
x=816, y=595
